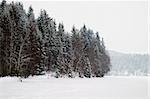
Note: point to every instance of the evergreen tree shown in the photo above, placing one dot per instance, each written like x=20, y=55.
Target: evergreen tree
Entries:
x=54, y=48
x=29, y=46
x=30, y=55
x=40, y=66
x=85, y=47
x=68, y=54
x=74, y=39
x=105, y=59
x=77, y=51
x=19, y=34
x=47, y=29
x=102, y=59
x=5, y=39
x=59, y=42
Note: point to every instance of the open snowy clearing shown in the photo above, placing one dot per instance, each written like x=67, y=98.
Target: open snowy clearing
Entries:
x=42, y=87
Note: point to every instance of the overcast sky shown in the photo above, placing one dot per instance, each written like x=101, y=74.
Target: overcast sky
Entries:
x=122, y=24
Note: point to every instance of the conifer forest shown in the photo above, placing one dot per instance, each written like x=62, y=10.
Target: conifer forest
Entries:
x=35, y=46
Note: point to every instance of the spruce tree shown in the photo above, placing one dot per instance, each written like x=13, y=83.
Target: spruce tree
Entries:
x=5, y=30
x=68, y=55
x=19, y=34
x=43, y=27
x=59, y=42
x=77, y=51
x=47, y=30
x=85, y=47
x=31, y=54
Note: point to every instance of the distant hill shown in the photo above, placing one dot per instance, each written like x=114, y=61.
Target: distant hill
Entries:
x=129, y=64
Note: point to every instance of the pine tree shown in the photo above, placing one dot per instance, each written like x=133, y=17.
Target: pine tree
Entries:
x=1, y=37
x=102, y=59
x=74, y=40
x=68, y=54
x=40, y=66
x=30, y=55
x=53, y=49
x=59, y=43
x=77, y=51
x=105, y=58
x=85, y=47
x=19, y=34
x=47, y=29
x=44, y=29
x=5, y=30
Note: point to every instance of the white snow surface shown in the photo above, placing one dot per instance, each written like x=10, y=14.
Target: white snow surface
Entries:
x=44, y=87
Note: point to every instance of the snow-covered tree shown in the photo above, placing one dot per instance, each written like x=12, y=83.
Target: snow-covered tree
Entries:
x=5, y=39
x=85, y=51
x=77, y=51
x=68, y=55
x=102, y=59
x=47, y=29
x=30, y=55
x=19, y=34
x=29, y=46
x=59, y=46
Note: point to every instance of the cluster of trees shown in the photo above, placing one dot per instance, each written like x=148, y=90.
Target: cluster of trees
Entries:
x=30, y=46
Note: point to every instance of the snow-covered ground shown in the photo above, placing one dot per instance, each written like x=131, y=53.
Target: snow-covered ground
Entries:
x=41, y=87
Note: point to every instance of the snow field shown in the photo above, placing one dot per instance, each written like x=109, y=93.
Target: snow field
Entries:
x=42, y=87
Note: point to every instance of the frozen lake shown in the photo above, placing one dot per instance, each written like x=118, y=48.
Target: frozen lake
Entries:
x=42, y=87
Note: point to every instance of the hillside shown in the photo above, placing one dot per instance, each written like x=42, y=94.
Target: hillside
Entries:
x=129, y=64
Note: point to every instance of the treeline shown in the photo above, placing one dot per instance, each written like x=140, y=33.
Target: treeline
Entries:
x=30, y=46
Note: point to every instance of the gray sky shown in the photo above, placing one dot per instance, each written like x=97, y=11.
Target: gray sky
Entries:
x=123, y=24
